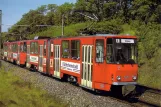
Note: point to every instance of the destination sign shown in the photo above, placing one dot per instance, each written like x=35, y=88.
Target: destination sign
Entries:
x=127, y=40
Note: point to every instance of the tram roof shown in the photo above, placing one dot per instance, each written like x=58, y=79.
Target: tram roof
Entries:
x=97, y=35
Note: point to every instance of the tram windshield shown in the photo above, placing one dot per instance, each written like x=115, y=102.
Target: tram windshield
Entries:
x=121, y=51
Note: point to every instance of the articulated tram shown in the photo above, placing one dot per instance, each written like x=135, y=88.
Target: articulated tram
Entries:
x=100, y=62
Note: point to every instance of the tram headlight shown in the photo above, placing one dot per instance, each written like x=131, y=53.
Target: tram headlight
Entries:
x=118, y=78
x=134, y=77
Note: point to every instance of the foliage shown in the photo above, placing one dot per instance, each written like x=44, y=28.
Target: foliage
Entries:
x=108, y=27
x=150, y=38
x=149, y=73
x=105, y=10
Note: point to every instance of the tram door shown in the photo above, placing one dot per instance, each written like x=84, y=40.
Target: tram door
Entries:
x=18, y=55
x=41, y=58
x=28, y=56
x=57, y=61
x=87, y=66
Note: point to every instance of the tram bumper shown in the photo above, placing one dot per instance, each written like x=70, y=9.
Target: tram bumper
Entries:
x=125, y=88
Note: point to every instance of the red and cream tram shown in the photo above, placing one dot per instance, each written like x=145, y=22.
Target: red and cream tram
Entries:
x=98, y=62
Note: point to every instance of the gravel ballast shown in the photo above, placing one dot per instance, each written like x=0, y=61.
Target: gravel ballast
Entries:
x=73, y=95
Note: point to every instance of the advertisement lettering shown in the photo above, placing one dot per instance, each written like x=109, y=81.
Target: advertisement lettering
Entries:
x=14, y=55
x=33, y=59
x=70, y=66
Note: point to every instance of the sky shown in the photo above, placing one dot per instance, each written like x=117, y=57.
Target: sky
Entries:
x=12, y=10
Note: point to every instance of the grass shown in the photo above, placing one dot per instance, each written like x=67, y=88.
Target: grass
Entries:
x=14, y=92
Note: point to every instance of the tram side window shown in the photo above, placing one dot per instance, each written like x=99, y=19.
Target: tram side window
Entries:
x=10, y=47
x=99, y=50
x=5, y=47
x=65, y=49
x=51, y=54
x=109, y=53
x=23, y=47
x=75, y=49
x=14, y=47
x=44, y=48
x=34, y=48
x=32, y=45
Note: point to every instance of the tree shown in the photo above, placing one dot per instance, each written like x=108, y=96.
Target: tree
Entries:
x=52, y=7
x=65, y=10
x=42, y=9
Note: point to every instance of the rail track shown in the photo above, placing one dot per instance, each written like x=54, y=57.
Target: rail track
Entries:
x=149, y=89
x=148, y=95
x=137, y=99
x=133, y=101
